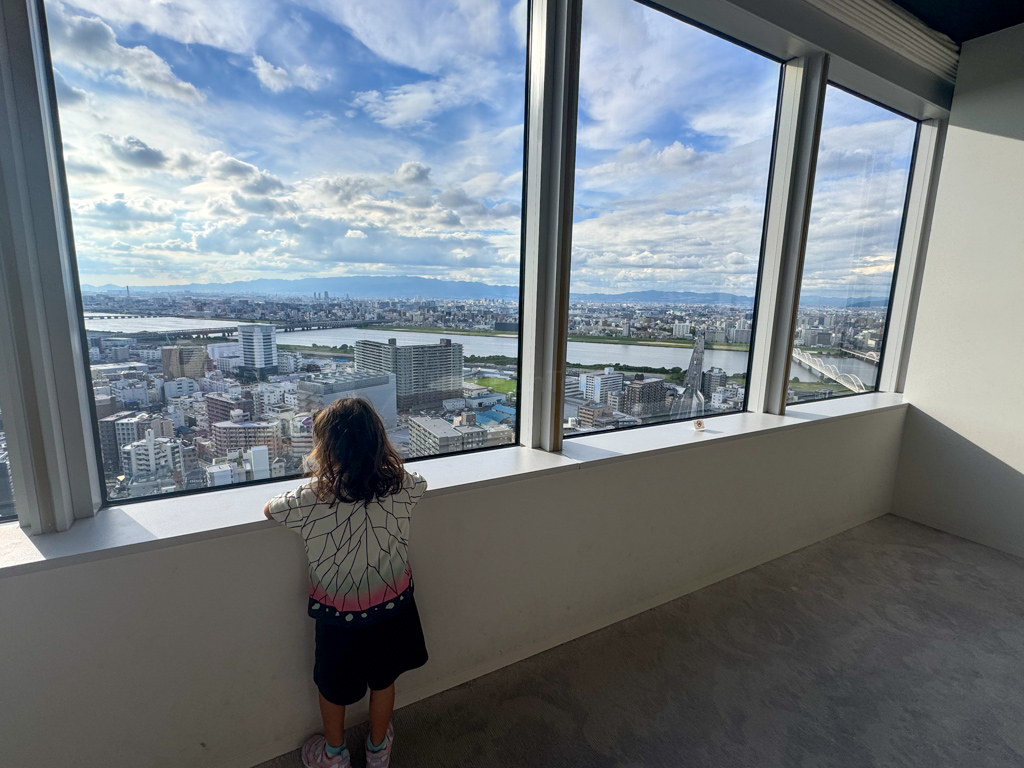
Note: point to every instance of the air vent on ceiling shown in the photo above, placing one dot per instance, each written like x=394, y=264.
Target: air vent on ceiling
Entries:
x=896, y=29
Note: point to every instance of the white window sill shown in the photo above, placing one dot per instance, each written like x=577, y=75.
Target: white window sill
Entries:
x=159, y=523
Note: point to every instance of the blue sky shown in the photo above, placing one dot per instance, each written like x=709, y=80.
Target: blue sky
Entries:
x=217, y=141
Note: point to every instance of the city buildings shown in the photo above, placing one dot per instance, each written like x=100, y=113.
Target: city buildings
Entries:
x=152, y=457
x=425, y=374
x=219, y=406
x=240, y=434
x=644, y=396
x=319, y=390
x=430, y=436
x=189, y=361
x=598, y=386
x=259, y=347
x=711, y=380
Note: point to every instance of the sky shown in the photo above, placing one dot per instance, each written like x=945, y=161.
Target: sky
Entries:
x=219, y=141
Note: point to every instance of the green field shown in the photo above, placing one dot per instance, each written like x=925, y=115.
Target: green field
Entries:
x=505, y=386
x=813, y=386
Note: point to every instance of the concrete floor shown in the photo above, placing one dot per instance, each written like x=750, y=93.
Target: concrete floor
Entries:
x=889, y=645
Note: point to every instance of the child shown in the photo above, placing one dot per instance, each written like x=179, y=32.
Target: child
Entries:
x=354, y=518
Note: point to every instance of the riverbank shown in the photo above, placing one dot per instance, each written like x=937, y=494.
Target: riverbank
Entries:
x=680, y=343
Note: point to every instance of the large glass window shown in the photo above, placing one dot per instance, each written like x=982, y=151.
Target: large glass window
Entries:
x=673, y=153
x=860, y=190
x=283, y=203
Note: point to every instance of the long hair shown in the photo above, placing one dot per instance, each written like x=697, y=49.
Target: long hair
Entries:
x=352, y=458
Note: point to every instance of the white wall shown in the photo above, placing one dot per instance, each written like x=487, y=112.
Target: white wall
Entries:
x=200, y=654
x=963, y=453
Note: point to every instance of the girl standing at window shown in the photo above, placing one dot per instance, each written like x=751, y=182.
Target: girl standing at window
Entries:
x=353, y=515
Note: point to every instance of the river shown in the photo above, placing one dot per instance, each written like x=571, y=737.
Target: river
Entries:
x=583, y=353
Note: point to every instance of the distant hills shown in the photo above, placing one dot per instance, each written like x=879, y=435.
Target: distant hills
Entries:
x=371, y=287
x=667, y=297
x=360, y=286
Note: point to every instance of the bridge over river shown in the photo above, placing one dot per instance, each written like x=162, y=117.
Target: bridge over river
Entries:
x=831, y=372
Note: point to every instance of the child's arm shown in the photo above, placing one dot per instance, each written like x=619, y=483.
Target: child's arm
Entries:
x=291, y=508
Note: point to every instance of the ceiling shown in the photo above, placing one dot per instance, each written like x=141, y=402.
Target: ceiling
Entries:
x=964, y=19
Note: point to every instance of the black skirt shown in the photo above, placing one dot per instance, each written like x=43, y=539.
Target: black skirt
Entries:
x=351, y=659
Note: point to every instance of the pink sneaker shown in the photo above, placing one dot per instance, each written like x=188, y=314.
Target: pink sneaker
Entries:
x=382, y=757
x=314, y=754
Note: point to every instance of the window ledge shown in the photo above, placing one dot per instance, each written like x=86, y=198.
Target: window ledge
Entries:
x=116, y=531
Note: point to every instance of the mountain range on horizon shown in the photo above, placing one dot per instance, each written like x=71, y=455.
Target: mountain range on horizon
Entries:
x=372, y=287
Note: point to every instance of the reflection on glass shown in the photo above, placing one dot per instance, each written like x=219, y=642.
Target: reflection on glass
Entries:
x=271, y=212
x=860, y=188
x=672, y=159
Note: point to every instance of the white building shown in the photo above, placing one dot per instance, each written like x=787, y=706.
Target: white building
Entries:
x=152, y=457
x=224, y=349
x=598, y=386
x=323, y=389
x=180, y=387
x=259, y=345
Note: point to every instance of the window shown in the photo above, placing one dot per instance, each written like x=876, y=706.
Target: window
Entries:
x=673, y=152
x=274, y=212
x=7, y=510
x=857, y=209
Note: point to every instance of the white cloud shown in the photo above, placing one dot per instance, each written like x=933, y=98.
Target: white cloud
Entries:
x=428, y=35
x=417, y=103
x=272, y=78
x=89, y=45
x=231, y=25
x=278, y=79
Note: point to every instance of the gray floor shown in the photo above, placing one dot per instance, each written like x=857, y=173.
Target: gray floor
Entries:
x=888, y=645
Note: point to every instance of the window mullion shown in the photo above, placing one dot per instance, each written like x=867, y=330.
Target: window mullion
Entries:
x=54, y=449
x=550, y=164
x=916, y=227
x=799, y=128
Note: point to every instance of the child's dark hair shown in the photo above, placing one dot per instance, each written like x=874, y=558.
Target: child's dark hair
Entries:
x=352, y=458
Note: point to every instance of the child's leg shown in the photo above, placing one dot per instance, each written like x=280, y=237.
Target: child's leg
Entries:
x=382, y=704
x=334, y=722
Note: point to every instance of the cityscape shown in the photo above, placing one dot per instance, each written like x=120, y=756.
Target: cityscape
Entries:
x=197, y=392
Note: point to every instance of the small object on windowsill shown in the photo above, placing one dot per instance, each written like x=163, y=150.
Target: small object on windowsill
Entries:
x=698, y=425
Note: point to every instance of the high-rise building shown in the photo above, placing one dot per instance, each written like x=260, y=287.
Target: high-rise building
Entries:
x=379, y=389
x=425, y=374
x=598, y=386
x=110, y=447
x=680, y=330
x=644, y=396
x=190, y=362
x=259, y=346
x=713, y=378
